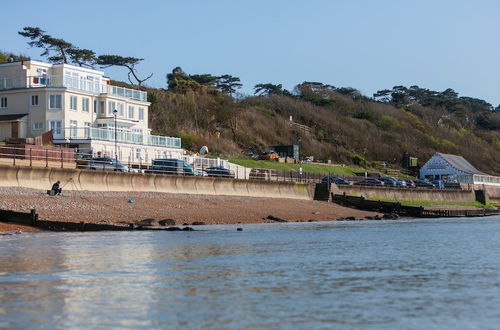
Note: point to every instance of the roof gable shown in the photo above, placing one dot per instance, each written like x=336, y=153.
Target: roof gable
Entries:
x=459, y=163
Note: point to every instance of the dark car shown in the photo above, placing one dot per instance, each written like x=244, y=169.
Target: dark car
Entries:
x=389, y=182
x=334, y=179
x=423, y=184
x=170, y=166
x=438, y=183
x=370, y=182
x=410, y=183
x=219, y=171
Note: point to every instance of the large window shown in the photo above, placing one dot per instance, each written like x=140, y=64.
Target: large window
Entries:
x=85, y=104
x=121, y=109
x=73, y=103
x=111, y=107
x=3, y=102
x=34, y=100
x=73, y=127
x=141, y=113
x=131, y=111
x=54, y=101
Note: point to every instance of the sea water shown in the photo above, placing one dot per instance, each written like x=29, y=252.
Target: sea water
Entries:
x=405, y=274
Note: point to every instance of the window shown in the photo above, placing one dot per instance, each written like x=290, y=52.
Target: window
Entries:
x=141, y=113
x=131, y=111
x=120, y=109
x=87, y=127
x=54, y=101
x=85, y=104
x=111, y=107
x=34, y=100
x=37, y=126
x=3, y=102
x=101, y=107
x=73, y=103
x=73, y=128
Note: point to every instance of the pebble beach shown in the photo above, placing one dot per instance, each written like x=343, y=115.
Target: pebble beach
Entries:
x=122, y=207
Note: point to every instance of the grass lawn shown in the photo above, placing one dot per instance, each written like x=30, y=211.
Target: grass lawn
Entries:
x=306, y=167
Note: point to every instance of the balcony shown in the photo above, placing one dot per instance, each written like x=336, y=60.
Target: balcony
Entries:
x=101, y=134
x=75, y=83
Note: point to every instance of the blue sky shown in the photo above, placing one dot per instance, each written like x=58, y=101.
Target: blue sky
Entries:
x=365, y=44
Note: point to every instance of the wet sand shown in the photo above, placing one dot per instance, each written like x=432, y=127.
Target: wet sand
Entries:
x=119, y=207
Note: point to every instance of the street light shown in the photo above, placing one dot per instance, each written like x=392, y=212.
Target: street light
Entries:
x=115, y=112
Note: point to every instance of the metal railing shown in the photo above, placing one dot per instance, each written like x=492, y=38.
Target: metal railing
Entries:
x=77, y=83
x=106, y=134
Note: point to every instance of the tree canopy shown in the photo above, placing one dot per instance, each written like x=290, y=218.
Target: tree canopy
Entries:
x=106, y=61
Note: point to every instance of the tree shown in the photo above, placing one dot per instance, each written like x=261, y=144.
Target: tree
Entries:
x=82, y=57
x=228, y=84
x=268, y=89
x=204, y=79
x=106, y=61
x=180, y=82
x=50, y=44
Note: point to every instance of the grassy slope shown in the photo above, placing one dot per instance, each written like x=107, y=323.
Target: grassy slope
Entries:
x=306, y=167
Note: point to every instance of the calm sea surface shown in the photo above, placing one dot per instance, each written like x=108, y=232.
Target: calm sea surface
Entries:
x=413, y=274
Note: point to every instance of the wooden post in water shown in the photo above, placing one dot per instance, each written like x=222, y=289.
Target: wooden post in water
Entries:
x=34, y=217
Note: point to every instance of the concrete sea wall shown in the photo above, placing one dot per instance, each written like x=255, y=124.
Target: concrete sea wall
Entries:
x=76, y=179
x=406, y=194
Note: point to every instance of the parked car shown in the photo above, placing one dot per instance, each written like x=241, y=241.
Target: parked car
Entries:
x=334, y=179
x=198, y=172
x=219, y=171
x=410, y=183
x=398, y=182
x=389, y=182
x=423, y=184
x=370, y=182
x=170, y=166
x=106, y=163
x=438, y=183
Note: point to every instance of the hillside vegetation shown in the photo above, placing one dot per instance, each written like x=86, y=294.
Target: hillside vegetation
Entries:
x=339, y=124
x=332, y=123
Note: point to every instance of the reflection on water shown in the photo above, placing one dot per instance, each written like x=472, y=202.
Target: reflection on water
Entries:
x=412, y=274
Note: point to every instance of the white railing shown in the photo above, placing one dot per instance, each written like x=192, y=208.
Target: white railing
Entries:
x=486, y=179
x=91, y=133
x=76, y=83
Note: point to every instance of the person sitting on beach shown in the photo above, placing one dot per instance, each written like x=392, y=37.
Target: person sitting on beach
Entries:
x=56, y=189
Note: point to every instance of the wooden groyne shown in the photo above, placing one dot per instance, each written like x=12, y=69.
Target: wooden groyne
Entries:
x=32, y=219
x=408, y=211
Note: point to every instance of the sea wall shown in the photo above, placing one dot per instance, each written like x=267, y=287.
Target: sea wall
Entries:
x=76, y=179
x=406, y=194
x=492, y=192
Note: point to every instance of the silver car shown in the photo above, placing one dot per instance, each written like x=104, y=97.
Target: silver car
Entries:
x=107, y=163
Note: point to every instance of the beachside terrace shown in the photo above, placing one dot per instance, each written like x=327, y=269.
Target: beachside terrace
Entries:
x=74, y=83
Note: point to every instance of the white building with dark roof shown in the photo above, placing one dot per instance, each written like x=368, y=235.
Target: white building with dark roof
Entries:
x=445, y=166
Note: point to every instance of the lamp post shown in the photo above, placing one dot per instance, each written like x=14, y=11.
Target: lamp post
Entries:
x=115, y=112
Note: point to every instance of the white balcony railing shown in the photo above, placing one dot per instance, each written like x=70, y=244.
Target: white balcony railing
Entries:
x=91, y=133
x=76, y=83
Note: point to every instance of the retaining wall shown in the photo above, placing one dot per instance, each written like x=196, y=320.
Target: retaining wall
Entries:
x=492, y=192
x=77, y=179
x=407, y=194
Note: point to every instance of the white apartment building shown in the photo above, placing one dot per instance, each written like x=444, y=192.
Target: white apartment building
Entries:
x=82, y=109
